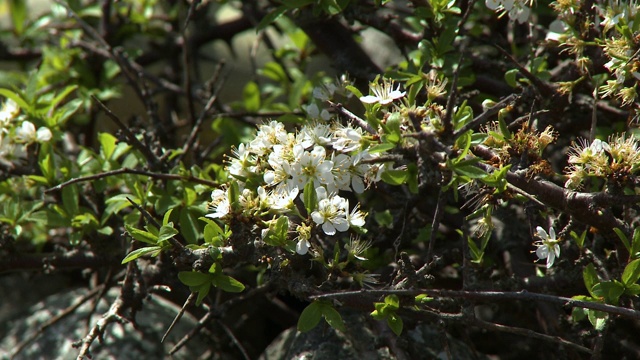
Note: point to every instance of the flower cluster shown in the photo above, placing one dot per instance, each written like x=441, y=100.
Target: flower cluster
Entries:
x=518, y=10
x=621, y=49
x=277, y=167
x=16, y=134
x=614, y=160
x=548, y=248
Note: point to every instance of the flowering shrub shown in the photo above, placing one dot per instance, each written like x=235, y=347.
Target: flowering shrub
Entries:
x=493, y=159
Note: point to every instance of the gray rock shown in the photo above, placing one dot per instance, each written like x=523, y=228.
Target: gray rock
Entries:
x=121, y=341
x=365, y=338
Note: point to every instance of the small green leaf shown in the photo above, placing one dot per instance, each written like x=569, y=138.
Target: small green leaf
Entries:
x=203, y=291
x=141, y=235
x=635, y=245
x=333, y=318
x=395, y=323
x=578, y=314
x=633, y=290
x=609, y=290
x=470, y=171
x=189, y=225
x=271, y=17
x=310, y=317
x=510, y=77
x=590, y=278
x=631, y=273
x=579, y=239
x=70, y=199
x=623, y=237
x=228, y=284
x=194, y=278
x=310, y=197
x=18, y=11
x=392, y=301
x=354, y=90
x=251, y=96
x=108, y=144
x=167, y=232
x=395, y=177
x=381, y=148
x=140, y=252
x=597, y=318
x=212, y=234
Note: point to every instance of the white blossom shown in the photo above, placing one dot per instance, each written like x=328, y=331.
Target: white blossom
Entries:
x=331, y=212
x=27, y=133
x=219, y=202
x=311, y=165
x=383, y=93
x=548, y=247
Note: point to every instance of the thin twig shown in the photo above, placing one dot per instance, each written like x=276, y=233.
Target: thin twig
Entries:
x=198, y=123
x=134, y=172
x=437, y=217
x=194, y=331
x=451, y=100
x=148, y=154
x=234, y=339
x=530, y=334
x=353, y=117
x=189, y=300
x=492, y=295
x=542, y=87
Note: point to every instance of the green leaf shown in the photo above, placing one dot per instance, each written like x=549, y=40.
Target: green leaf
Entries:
x=631, y=273
x=392, y=128
x=578, y=314
x=140, y=252
x=635, y=245
x=623, y=237
x=251, y=96
x=212, y=234
x=609, y=290
x=470, y=171
x=333, y=318
x=395, y=323
x=381, y=148
x=590, y=277
x=510, y=77
x=18, y=11
x=310, y=197
x=141, y=235
x=166, y=232
x=579, y=239
x=227, y=283
x=70, y=199
x=310, y=316
x=392, y=301
x=354, y=90
x=597, y=318
x=15, y=97
x=271, y=17
x=203, y=291
x=395, y=177
x=194, y=278
x=633, y=290
x=108, y=144
x=189, y=225
x=275, y=72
